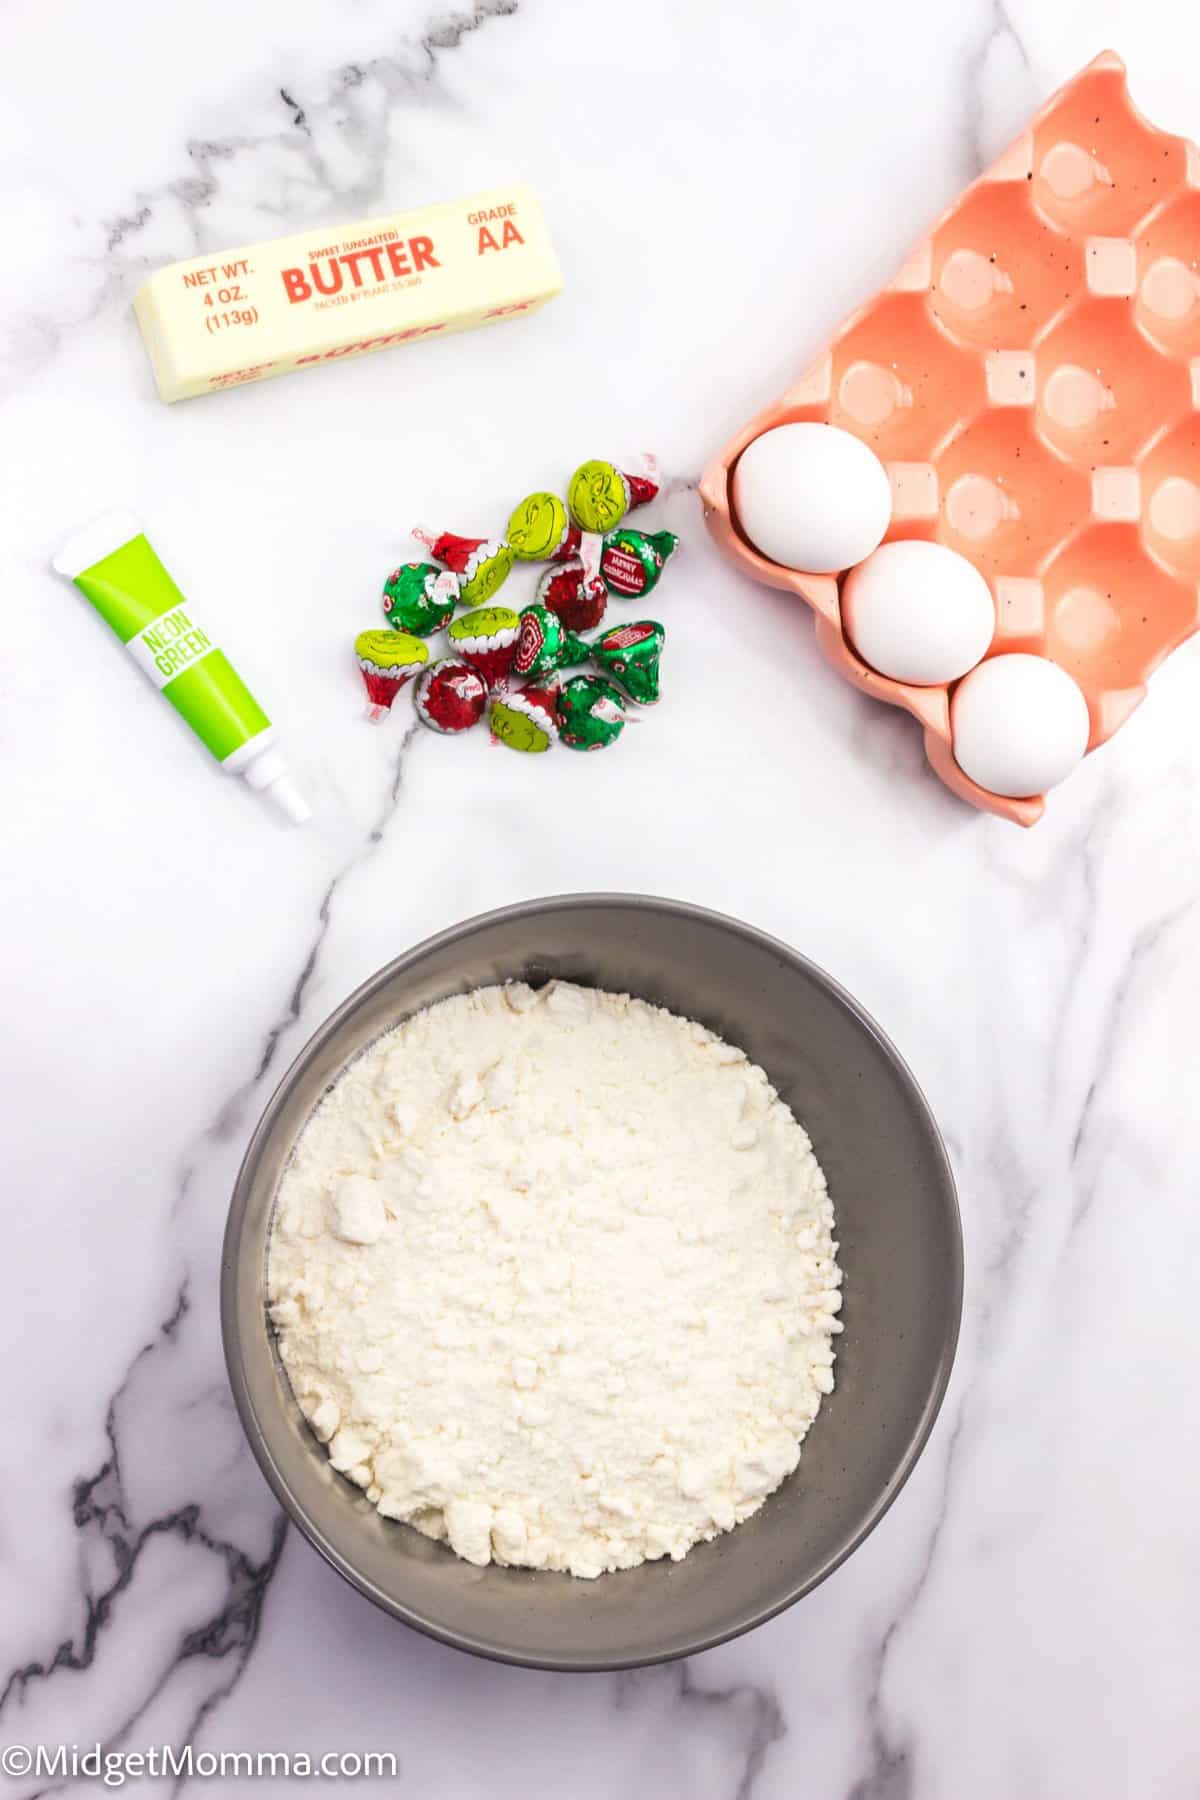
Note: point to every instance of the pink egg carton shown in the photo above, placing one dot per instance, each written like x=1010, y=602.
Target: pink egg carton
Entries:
x=1031, y=381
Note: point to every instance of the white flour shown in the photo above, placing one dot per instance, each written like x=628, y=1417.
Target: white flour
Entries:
x=554, y=1279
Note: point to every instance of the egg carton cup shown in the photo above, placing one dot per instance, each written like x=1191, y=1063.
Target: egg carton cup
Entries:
x=1030, y=380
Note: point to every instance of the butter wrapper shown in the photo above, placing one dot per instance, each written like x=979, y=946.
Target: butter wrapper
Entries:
x=293, y=303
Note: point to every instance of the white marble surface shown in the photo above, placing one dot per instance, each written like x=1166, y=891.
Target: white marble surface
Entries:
x=1024, y=1620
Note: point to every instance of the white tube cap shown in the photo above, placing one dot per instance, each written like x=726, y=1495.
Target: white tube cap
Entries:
x=289, y=800
x=268, y=773
x=94, y=541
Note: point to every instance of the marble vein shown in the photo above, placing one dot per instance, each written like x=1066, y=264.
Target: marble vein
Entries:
x=232, y=1113
x=100, y=1506
x=102, y=1514
x=1043, y=985
x=328, y=163
x=891, y=1748
x=1086, y=1159
x=1002, y=1164
x=750, y=1711
x=1000, y=88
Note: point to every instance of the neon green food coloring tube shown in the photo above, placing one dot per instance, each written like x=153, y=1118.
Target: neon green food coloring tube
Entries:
x=114, y=566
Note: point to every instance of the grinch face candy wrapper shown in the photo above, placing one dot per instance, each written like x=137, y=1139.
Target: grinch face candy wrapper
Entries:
x=918, y=612
x=450, y=696
x=591, y=713
x=492, y=648
x=527, y=720
x=630, y=656
x=482, y=565
x=539, y=530
x=811, y=497
x=486, y=639
x=387, y=660
x=599, y=494
x=419, y=597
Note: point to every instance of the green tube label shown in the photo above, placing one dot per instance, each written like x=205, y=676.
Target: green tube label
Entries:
x=134, y=594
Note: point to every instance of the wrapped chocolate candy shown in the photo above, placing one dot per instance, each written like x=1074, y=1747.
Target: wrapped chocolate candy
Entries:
x=600, y=494
x=481, y=564
x=579, y=600
x=528, y=719
x=486, y=639
x=630, y=655
x=544, y=644
x=540, y=531
x=450, y=696
x=419, y=597
x=591, y=713
x=632, y=561
x=387, y=660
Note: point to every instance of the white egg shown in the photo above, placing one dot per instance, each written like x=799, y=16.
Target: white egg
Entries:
x=918, y=612
x=811, y=497
x=1019, y=725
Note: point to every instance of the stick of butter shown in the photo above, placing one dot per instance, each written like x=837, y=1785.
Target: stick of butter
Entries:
x=217, y=321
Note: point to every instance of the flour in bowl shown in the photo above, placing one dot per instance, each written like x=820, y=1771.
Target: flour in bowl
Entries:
x=553, y=1279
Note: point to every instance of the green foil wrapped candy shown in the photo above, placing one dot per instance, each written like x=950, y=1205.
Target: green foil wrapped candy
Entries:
x=630, y=656
x=544, y=644
x=632, y=561
x=591, y=713
x=419, y=597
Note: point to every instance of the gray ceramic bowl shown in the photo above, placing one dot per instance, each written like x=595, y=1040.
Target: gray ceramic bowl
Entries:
x=897, y=1221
